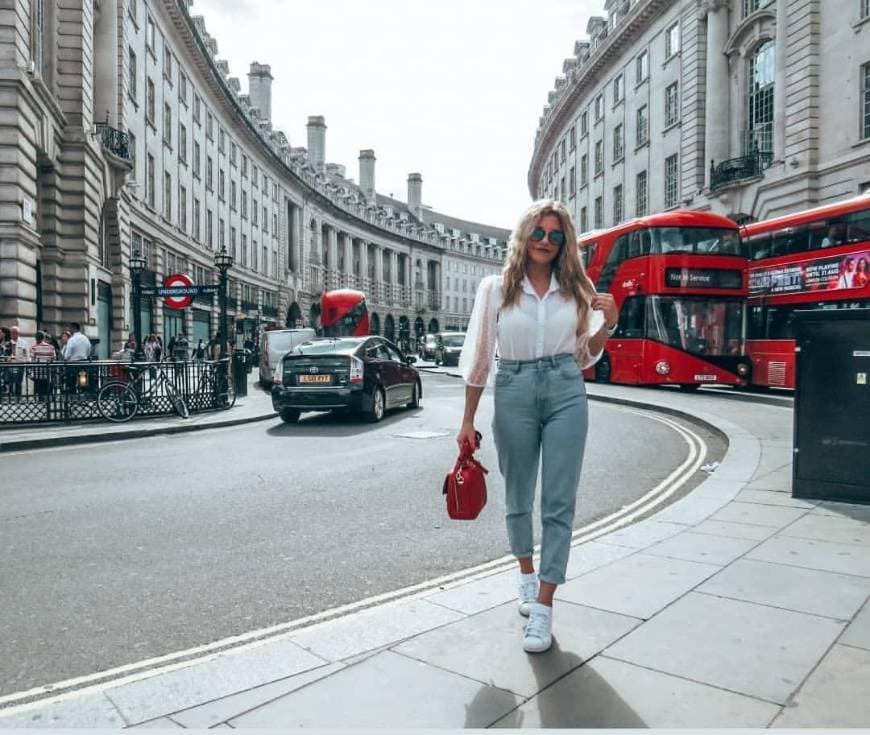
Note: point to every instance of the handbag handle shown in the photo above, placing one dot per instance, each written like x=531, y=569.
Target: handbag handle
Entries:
x=467, y=450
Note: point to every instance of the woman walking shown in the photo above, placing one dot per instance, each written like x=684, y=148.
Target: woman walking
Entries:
x=539, y=313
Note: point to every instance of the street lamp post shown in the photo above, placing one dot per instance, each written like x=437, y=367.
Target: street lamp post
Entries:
x=138, y=264
x=223, y=262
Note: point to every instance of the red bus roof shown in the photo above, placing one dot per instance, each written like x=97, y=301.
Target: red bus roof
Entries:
x=677, y=218
x=808, y=215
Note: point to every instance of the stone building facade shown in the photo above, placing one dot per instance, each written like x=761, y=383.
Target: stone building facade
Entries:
x=749, y=108
x=124, y=133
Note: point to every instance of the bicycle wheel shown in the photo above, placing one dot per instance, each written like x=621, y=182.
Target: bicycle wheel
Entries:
x=178, y=402
x=117, y=402
x=226, y=393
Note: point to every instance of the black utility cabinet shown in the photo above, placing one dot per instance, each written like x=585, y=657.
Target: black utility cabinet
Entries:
x=832, y=406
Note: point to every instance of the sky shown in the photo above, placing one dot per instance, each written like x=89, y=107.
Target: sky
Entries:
x=451, y=89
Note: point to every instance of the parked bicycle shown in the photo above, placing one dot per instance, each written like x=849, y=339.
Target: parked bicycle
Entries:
x=120, y=400
x=217, y=383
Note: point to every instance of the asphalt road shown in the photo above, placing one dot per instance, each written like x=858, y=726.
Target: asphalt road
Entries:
x=119, y=552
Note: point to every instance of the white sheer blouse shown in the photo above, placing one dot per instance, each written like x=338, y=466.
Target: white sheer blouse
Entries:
x=535, y=327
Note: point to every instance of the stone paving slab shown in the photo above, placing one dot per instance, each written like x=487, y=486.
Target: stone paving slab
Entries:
x=642, y=534
x=610, y=693
x=844, y=510
x=638, y=586
x=88, y=710
x=691, y=510
x=479, y=595
x=488, y=647
x=804, y=590
x=858, y=632
x=734, y=530
x=835, y=694
x=161, y=723
x=719, y=550
x=773, y=497
x=593, y=555
x=759, y=515
x=759, y=651
x=374, y=628
x=830, y=528
x=823, y=555
x=384, y=691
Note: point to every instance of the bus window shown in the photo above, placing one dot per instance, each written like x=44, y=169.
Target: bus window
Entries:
x=719, y=241
x=631, y=318
x=836, y=234
x=781, y=323
x=759, y=246
x=858, y=226
x=755, y=323
x=818, y=231
x=792, y=240
x=638, y=244
x=701, y=326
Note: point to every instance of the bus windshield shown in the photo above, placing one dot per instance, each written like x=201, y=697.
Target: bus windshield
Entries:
x=453, y=340
x=700, y=326
x=343, y=314
x=703, y=240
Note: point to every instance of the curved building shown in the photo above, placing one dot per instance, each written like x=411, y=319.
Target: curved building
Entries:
x=124, y=134
x=750, y=108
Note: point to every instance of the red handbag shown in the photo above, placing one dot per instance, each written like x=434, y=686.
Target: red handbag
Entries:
x=465, y=485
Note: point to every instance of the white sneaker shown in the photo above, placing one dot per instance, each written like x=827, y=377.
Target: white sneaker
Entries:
x=539, y=630
x=528, y=592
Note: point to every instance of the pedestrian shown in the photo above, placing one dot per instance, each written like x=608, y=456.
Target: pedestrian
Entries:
x=158, y=352
x=150, y=347
x=18, y=352
x=64, y=341
x=539, y=315
x=5, y=355
x=42, y=351
x=78, y=346
x=180, y=348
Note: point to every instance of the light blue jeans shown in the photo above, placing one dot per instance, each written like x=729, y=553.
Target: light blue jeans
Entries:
x=541, y=414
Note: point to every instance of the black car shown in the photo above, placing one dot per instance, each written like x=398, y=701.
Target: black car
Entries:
x=366, y=375
x=448, y=347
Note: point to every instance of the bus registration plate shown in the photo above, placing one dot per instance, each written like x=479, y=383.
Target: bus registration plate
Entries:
x=320, y=379
x=705, y=378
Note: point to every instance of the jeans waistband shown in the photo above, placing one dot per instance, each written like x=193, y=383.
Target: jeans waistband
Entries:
x=550, y=361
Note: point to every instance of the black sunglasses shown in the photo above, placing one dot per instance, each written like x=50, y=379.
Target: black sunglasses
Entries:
x=556, y=237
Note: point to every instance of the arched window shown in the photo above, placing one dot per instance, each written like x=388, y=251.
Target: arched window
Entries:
x=750, y=6
x=762, y=73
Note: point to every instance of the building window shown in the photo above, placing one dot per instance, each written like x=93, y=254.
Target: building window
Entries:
x=197, y=109
x=618, y=143
x=572, y=139
x=182, y=208
x=244, y=250
x=244, y=166
x=584, y=170
x=131, y=70
x=209, y=229
x=599, y=107
x=233, y=195
x=234, y=153
x=196, y=230
x=182, y=143
x=254, y=249
x=196, y=159
x=584, y=219
x=150, y=35
x=672, y=185
x=572, y=182
x=209, y=173
x=221, y=185
x=762, y=74
x=865, y=95
x=584, y=123
x=265, y=220
x=167, y=196
x=133, y=10
x=561, y=195
x=274, y=225
x=149, y=102
x=599, y=157
x=167, y=124
x=865, y=8
x=641, y=197
x=672, y=105
x=149, y=180
x=167, y=63
x=222, y=234
x=255, y=212
x=672, y=40
x=131, y=146
x=244, y=204
x=617, y=204
x=222, y=140
x=642, y=126
x=209, y=126
x=234, y=243
x=561, y=153
x=618, y=89
x=750, y=6
x=255, y=176
x=182, y=87
x=641, y=68
x=275, y=190
x=599, y=213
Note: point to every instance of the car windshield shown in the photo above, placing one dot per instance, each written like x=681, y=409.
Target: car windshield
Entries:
x=715, y=241
x=324, y=346
x=453, y=340
x=697, y=325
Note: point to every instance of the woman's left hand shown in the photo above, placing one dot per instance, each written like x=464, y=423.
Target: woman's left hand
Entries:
x=606, y=303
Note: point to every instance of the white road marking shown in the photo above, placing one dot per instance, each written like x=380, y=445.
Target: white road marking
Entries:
x=147, y=668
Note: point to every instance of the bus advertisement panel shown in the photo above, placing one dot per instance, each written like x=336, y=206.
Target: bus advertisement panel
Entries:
x=679, y=282
x=815, y=259
x=343, y=313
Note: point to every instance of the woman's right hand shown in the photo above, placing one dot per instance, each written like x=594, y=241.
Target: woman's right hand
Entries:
x=467, y=434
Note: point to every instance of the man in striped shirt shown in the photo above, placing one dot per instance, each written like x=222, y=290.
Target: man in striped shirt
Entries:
x=42, y=351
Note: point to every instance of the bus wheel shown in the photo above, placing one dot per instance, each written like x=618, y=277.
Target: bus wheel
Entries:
x=602, y=370
x=689, y=387
x=289, y=415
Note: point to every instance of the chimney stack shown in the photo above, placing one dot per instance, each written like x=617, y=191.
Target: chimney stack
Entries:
x=367, y=174
x=415, y=195
x=317, y=142
x=260, y=89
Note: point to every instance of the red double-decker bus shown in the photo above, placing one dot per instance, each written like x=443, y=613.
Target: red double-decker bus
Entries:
x=679, y=282
x=815, y=259
x=343, y=313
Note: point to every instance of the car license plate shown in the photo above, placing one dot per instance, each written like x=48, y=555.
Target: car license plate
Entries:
x=705, y=378
x=320, y=379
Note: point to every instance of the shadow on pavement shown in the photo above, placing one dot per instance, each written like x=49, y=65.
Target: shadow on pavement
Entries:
x=339, y=423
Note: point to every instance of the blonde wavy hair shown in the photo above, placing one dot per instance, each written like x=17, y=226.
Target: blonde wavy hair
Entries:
x=567, y=267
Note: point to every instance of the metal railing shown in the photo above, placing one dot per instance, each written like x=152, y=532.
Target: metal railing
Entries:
x=59, y=391
x=114, y=141
x=735, y=169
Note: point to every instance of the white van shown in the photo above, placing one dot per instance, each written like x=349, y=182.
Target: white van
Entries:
x=276, y=343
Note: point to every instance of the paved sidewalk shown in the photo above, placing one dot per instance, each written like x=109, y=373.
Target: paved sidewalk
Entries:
x=737, y=606
x=255, y=406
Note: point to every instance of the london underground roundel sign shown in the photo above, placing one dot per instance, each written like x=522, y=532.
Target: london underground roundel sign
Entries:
x=178, y=281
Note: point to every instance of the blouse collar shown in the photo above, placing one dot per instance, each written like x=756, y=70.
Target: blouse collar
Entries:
x=530, y=289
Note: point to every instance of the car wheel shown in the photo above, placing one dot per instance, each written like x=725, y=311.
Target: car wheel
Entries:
x=289, y=415
x=378, y=406
x=602, y=370
x=415, y=397
x=437, y=361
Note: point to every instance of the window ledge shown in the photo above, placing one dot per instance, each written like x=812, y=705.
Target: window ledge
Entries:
x=858, y=25
x=639, y=84
x=618, y=103
x=670, y=58
x=862, y=143
x=639, y=146
x=671, y=127
x=619, y=160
